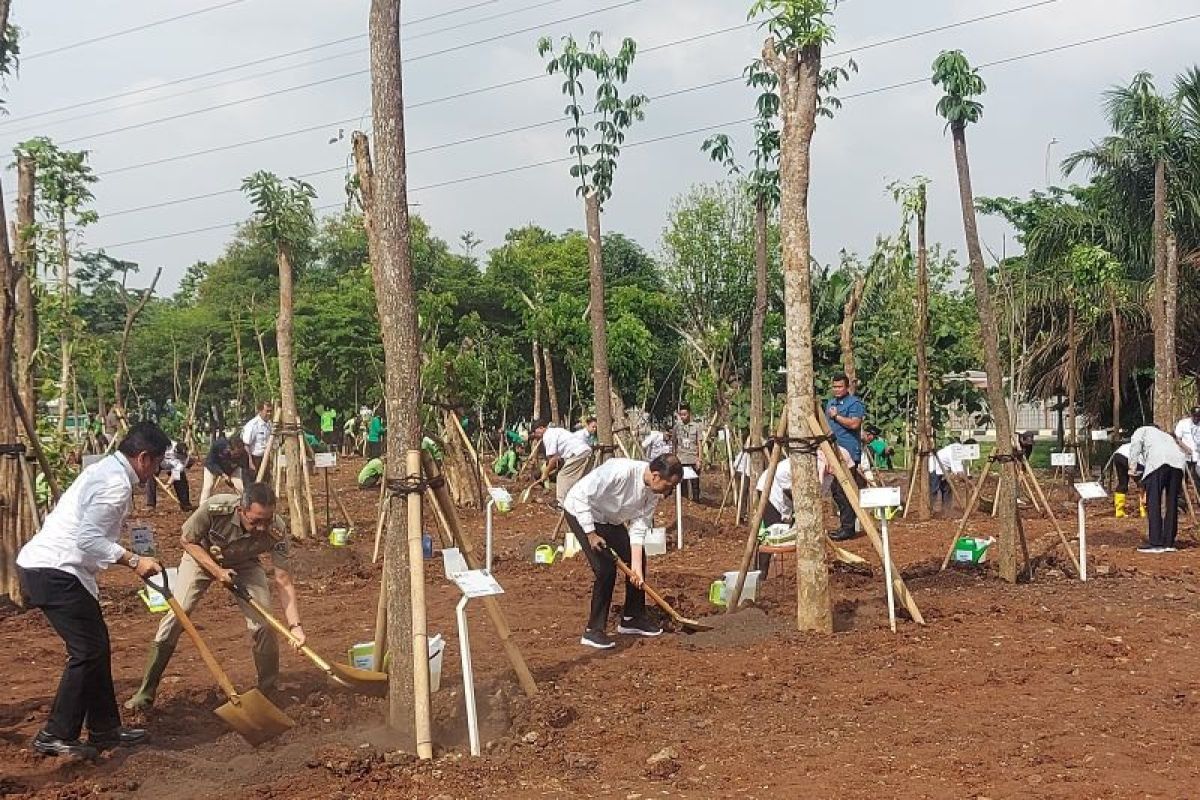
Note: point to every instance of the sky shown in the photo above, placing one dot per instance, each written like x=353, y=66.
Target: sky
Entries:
x=482, y=117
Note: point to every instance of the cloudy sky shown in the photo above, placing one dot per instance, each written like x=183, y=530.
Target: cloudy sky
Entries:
x=280, y=84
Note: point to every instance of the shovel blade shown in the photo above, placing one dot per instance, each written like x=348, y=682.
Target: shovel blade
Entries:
x=363, y=681
x=693, y=625
x=255, y=717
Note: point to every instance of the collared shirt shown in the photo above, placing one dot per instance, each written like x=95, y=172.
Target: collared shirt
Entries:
x=686, y=438
x=375, y=429
x=780, y=494
x=221, y=459
x=1152, y=448
x=615, y=493
x=372, y=469
x=848, y=406
x=564, y=444
x=1188, y=433
x=80, y=535
x=256, y=433
x=217, y=527
x=1123, y=450
x=655, y=445
x=947, y=459
x=174, y=462
x=328, y=417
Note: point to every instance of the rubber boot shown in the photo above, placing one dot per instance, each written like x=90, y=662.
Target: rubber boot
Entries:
x=1142, y=509
x=266, y=664
x=1118, y=504
x=156, y=664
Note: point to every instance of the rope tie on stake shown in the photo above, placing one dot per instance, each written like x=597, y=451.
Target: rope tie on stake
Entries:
x=1001, y=458
x=803, y=445
x=14, y=450
x=410, y=484
x=606, y=449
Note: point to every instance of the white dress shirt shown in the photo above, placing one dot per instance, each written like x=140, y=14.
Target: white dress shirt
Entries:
x=1151, y=448
x=655, y=445
x=564, y=444
x=1188, y=433
x=615, y=493
x=256, y=433
x=947, y=459
x=782, y=483
x=80, y=535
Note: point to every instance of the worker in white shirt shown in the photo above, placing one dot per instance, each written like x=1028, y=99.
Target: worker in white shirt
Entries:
x=256, y=433
x=656, y=443
x=1187, y=431
x=613, y=507
x=58, y=568
x=1160, y=461
x=1121, y=466
x=939, y=481
x=567, y=456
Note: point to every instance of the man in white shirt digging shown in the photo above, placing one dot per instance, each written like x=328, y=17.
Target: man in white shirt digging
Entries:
x=569, y=455
x=257, y=435
x=613, y=507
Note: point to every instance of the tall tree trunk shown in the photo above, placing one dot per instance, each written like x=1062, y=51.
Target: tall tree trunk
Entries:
x=1116, y=371
x=799, y=77
x=290, y=416
x=26, y=262
x=1170, y=328
x=396, y=301
x=551, y=389
x=757, y=322
x=1164, y=389
x=921, y=496
x=132, y=311
x=849, y=317
x=538, y=406
x=1072, y=366
x=64, y=335
x=11, y=504
x=600, y=378
x=1006, y=494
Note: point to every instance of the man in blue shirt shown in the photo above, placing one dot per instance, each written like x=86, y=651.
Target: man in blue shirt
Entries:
x=846, y=413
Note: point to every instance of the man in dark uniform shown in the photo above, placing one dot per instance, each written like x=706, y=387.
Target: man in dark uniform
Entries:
x=222, y=541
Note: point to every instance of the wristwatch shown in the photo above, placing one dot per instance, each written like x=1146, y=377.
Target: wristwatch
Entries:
x=294, y=625
x=134, y=558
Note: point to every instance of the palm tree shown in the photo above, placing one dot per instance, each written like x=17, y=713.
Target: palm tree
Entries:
x=958, y=106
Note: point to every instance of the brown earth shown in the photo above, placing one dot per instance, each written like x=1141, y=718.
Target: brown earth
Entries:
x=1049, y=689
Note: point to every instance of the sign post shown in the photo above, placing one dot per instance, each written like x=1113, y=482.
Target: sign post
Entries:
x=884, y=500
x=472, y=583
x=1086, y=491
x=325, y=462
x=502, y=500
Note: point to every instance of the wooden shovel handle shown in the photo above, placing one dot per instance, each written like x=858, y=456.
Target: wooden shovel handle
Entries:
x=624, y=568
x=210, y=660
x=281, y=629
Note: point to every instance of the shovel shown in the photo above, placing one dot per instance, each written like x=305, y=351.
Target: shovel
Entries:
x=363, y=681
x=682, y=621
x=251, y=714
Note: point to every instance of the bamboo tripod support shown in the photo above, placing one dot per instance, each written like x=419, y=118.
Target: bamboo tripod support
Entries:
x=420, y=635
x=735, y=594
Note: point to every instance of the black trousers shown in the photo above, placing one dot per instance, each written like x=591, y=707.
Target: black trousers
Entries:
x=183, y=491
x=1162, y=504
x=691, y=486
x=939, y=486
x=605, y=571
x=846, y=515
x=1121, y=465
x=85, y=691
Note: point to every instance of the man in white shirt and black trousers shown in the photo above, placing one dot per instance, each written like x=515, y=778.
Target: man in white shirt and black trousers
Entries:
x=58, y=568
x=621, y=492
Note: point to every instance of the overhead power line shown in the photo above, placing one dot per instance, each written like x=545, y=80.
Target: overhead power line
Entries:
x=127, y=31
x=668, y=137
x=540, y=75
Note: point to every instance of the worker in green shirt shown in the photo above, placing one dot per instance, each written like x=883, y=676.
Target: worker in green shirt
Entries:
x=371, y=474
x=882, y=453
x=375, y=431
x=506, y=464
x=328, y=420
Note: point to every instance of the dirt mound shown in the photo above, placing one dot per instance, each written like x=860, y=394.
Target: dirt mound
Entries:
x=744, y=627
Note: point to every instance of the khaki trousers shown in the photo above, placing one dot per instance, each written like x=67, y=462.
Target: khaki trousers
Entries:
x=210, y=481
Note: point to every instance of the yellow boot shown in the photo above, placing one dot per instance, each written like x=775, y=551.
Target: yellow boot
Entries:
x=1142, y=509
x=1119, y=504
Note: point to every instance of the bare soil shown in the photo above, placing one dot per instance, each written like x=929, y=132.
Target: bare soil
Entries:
x=1051, y=689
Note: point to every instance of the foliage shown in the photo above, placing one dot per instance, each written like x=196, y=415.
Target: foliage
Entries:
x=962, y=85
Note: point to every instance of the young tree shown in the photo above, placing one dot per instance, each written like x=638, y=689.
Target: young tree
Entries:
x=799, y=31
x=63, y=192
x=11, y=504
x=25, y=263
x=595, y=168
x=285, y=213
x=962, y=85
x=389, y=239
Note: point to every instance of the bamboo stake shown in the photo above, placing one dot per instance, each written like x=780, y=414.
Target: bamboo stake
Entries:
x=420, y=635
x=305, y=452
x=381, y=521
x=471, y=449
x=35, y=513
x=490, y=604
x=381, y=619
x=735, y=595
x=34, y=442
x=912, y=481
x=443, y=527
x=1046, y=503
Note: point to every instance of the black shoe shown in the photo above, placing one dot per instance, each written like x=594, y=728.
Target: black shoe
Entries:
x=597, y=639
x=118, y=737
x=1150, y=548
x=50, y=745
x=638, y=627
x=842, y=536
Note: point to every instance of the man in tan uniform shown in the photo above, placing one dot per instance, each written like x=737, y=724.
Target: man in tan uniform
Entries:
x=222, y=541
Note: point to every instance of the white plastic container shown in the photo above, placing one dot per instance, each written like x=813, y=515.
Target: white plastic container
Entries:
x=656, y=542
x=749, y=588
x=362, y=656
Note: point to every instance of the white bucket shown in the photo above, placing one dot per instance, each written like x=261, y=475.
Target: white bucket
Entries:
x=362, y=656
x=656, y=542
x=749, y=588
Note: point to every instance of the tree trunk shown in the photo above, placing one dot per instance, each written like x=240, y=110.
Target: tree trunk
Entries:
x=1006, y=494
x=757, y=322
x=132, y=311
x=600, y=379
x=849, y=316
x=551, y=389
x=538, y=407
x=64, y=335
x=26, y=262
x=396, y=300
x=1116, y=372
x=293, y=448
x=466, y=489
x=1072, y=366
x=11, y=503
x=1164, y=388
x=920, y=485
x=799, y=77
x=1169, y=329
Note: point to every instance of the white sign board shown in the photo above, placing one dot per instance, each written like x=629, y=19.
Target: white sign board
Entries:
x=881, y=497
x=324, y=460
x=477, y=583
x=90, y=458
x=690, y=474
x=966, y=452
x=1090, y=491
x=280, y=459
x=1062, y=459
x=142, y=538
x=1099, y=436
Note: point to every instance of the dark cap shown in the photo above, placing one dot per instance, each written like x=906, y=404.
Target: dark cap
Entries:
x=1196, y=411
